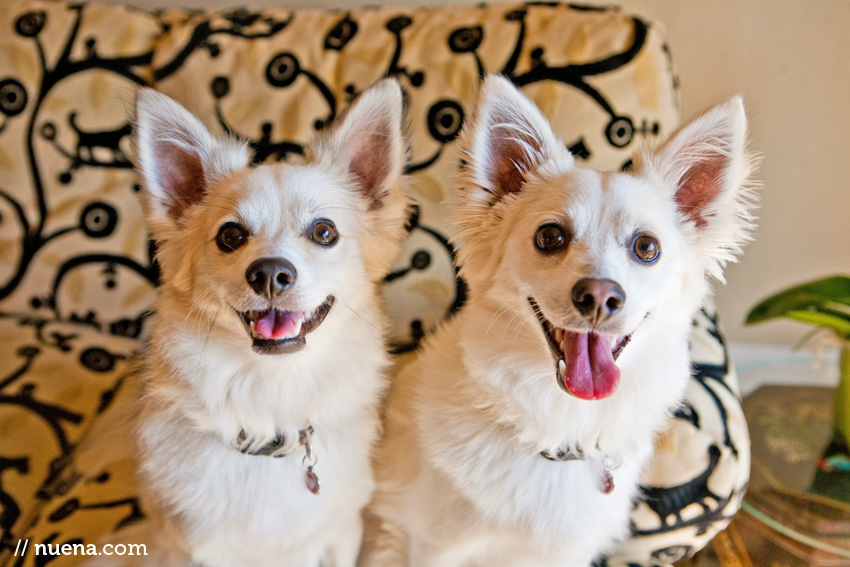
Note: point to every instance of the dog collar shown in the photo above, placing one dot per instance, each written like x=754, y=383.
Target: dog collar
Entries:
x=570, y=453
x=273, y=449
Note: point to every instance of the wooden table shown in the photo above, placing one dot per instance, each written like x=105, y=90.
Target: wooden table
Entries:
x=787, y=519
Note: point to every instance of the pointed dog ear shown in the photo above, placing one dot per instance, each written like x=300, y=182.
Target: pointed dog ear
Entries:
x=368, y=144
x=177, y=158
x=708, y=166
x=509, y=137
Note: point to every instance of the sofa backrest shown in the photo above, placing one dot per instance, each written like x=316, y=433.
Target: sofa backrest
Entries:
x=73, y=240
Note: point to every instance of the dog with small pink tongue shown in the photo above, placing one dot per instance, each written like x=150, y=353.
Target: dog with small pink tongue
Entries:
x=517, y=436
x=262, y=379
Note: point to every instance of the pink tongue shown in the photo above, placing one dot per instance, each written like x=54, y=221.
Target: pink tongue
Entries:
x=274, y=324
x=591, y=373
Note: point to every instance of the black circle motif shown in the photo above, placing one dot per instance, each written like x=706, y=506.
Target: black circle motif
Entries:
x=28, y=351
x=31, y=23
x=398, y=23
x=445, y=119
x=98, y=220
x=282, y=70
x=341, y=34
x=66, y=509
x=516, y=15
x=97, y=359
x=465, y=40
x=48, y=131
x=220, y=87
x=13, y=97
x=421, y=260
x=620, y=131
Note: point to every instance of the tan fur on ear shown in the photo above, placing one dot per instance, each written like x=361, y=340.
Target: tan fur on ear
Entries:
x=708, y=166
x=507, y=139
x=505, y=142
x=177, y=158
x=367, y=144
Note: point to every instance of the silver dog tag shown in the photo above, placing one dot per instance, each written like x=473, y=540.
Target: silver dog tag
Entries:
x=311, y=479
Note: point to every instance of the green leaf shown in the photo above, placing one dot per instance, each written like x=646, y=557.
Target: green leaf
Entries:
x=839, y=324
x=829, y=296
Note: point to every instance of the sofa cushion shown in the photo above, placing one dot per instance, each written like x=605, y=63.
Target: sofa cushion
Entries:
x=56, y=377
x=74, y=258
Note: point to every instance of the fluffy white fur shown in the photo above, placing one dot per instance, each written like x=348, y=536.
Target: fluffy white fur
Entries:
x=202, y=381
x=461, y=482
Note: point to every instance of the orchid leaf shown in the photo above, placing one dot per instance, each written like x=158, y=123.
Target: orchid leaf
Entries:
x=839, y=324
x=824, y=302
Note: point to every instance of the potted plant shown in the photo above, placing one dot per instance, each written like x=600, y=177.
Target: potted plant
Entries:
x=826, y=304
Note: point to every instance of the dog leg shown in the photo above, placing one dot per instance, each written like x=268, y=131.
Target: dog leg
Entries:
x=345, y=546
x=384, y=544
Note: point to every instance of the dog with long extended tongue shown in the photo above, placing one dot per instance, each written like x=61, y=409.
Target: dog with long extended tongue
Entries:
x=518, y=435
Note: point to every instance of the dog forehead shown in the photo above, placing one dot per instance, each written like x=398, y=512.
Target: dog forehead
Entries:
x=594, y=202
x=284, y=197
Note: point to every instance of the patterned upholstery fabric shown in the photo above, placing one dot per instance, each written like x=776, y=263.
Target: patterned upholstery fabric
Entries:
x=76, y=268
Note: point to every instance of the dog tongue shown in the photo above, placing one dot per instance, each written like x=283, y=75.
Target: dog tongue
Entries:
x=591, y=372
x=274, y=324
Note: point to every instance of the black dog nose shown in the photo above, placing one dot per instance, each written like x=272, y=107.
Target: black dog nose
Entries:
x=598, y=300
x=270, y=277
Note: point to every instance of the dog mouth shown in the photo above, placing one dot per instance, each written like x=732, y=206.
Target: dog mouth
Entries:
x=585, y=362
x=280, y=331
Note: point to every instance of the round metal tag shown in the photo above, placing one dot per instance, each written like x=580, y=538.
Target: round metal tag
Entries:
x=312, y=481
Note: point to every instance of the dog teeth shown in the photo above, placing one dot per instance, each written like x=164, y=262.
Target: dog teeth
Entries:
x=562, y=368
x=558, y=335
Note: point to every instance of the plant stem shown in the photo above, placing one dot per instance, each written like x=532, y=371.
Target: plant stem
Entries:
x=841, y=404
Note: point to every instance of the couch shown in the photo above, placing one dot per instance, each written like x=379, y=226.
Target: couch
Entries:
x=78, y=272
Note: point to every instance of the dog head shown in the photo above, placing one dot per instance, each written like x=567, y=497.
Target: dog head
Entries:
x=268, y=251
x=596, y=257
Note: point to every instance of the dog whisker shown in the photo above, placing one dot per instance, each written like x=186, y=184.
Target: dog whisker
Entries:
x=206, y=341
x=520, y=328
x=503, y=308
x=370, y=321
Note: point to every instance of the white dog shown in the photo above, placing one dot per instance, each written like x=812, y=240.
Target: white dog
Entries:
x=266, y=365
x=517, y=436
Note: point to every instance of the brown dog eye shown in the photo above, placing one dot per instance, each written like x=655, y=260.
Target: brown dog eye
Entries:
x=550, y=237
x=231, y=236
x=324, y=232
x=646, y=248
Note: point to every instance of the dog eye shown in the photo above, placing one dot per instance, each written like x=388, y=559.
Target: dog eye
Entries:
x=231, y=236
x=550, y=237
x=324, y=232
x=646, y=248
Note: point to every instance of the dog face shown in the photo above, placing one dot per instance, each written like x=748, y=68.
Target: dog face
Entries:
x=268, y=252
x=596, y=257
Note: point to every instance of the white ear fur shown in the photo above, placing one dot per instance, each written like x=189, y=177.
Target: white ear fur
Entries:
x=177, y=157
x=708, y=165
x=507, y=139
x=509, y=136
x=368, y=144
